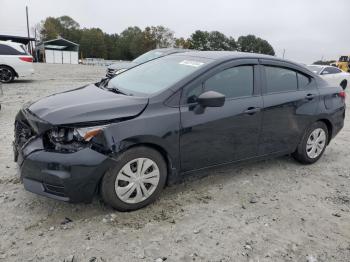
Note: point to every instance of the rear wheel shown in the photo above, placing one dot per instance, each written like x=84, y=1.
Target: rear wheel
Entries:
x=136, y=180
x=313, y=144
x=6, y=74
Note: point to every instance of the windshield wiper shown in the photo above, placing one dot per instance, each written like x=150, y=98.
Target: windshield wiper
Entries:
x=117, y=91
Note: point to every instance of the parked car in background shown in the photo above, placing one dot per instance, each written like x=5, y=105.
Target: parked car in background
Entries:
x=15, y=61
x=119, y=67
x=170, y=116
x=331, y=74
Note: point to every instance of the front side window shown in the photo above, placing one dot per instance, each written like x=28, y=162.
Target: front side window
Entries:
x=280, y=79
x=233, y=82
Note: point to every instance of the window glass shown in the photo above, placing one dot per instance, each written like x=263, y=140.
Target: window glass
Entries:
x=280, y=79
x=332, y=70
x=233, y=82
x=157, y=75
x=303, y=81
x=8, y=50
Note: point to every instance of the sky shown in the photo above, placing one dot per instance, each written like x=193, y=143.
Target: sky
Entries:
x=307, y=30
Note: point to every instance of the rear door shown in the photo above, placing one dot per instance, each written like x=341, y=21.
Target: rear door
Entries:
x=224, y=134
x=290, y=101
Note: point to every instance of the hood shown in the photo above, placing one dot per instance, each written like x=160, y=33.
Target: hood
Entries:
x=121, y=65
x=87, y=104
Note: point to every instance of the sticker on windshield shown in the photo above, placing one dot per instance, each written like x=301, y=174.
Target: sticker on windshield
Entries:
x=191, y=63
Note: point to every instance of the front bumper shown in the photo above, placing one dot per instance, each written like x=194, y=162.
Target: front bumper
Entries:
x=71, y=177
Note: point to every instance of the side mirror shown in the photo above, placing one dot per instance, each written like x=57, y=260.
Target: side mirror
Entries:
x=325, y=72
x=211, y=99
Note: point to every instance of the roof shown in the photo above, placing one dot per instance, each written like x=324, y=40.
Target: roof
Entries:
x=10, y=43
x=59, y=44
x=18, y=39
x=223, y=55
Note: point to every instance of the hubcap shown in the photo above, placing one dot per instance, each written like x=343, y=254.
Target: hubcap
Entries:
x=137, y=180
x=316, y=143
x=5, y=75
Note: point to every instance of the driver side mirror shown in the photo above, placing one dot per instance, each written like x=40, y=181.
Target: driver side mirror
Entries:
x=211, y=99
x=325, y=72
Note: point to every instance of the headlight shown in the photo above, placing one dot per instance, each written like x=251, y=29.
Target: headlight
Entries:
x=68, y=135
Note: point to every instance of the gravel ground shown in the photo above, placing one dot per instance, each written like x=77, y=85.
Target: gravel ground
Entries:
x=275, y=210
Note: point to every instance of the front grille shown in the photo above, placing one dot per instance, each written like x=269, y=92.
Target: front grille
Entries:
x=110, y=72
x=23, y=132
x=55, y=190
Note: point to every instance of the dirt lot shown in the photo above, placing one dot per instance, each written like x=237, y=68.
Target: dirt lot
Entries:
x=276, y=210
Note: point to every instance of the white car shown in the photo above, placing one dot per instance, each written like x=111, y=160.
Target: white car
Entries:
x=14, y=61
x=331, y=74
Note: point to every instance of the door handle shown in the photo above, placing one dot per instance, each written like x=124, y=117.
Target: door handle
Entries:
x=252, y=110
x=310, y=96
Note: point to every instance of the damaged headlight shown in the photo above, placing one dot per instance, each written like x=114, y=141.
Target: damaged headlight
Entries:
x=66, y=135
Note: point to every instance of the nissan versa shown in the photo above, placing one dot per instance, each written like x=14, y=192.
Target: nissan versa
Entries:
x=149, y=125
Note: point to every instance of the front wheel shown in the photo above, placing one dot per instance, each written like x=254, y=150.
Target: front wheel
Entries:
x=313, y=144
x=136, y=180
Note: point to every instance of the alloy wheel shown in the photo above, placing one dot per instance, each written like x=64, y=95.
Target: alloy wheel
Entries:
x=137, y=180
x=316, y=143
x=5, y=75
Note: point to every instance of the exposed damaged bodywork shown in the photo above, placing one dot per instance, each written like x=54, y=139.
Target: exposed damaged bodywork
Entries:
x=65, y=160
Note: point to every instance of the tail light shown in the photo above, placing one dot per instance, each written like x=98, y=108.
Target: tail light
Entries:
x=26, y=58
x=342, y=94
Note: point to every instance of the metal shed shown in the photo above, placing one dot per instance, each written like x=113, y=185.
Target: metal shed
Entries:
x=58, y=51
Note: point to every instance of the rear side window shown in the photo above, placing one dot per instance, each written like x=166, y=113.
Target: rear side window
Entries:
x=233, y=82
x=280, y=79
x=8, y=50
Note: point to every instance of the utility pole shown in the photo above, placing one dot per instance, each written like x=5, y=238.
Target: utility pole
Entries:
x=29, y=44
x=284, y=51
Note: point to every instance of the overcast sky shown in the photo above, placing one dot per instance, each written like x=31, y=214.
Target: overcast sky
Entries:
x=307, y=29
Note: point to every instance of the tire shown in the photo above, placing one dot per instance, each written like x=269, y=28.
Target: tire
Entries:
x=114, y=186
x=6, y=74
x=303, y=154
x=344, y=84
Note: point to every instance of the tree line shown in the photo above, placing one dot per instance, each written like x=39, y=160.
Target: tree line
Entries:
x=134, y=41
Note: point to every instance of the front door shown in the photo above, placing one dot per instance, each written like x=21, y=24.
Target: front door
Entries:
x=224, y=134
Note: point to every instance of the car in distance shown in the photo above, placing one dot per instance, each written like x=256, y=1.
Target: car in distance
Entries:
x=332, y=74
x=119, y=67
x=160, y=120
x=14, y=61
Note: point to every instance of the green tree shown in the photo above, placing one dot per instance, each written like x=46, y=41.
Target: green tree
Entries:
x=251, y=43
x=92, y=43
x=182, y=43
x=50, y=28
x=199, y=40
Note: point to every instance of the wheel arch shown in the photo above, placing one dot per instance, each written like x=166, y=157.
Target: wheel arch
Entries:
x=169, y=160
x=329, y=128
x=16, y=74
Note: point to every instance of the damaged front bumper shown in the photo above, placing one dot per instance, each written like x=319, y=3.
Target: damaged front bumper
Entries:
x=67, y=176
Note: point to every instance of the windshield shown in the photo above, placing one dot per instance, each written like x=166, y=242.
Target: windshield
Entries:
x=148, y=56
x=157, y=75
x=315, y=69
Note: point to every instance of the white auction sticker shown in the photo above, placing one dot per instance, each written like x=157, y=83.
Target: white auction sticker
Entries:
x=191, y=63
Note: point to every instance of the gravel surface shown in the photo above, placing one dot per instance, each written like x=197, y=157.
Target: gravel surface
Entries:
x=275, y=210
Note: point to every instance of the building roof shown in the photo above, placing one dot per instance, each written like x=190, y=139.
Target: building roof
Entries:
x=18, y=39
x=59, y=44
